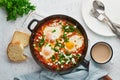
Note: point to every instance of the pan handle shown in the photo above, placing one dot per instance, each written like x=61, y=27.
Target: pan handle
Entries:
x=31, y=22
x=85, y=63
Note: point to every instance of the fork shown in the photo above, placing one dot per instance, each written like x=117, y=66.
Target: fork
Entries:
x=102, y=18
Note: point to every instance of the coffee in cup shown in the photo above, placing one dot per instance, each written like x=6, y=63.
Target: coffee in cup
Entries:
x=101, y=52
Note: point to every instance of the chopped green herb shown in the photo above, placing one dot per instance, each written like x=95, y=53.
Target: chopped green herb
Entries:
x=62, y=62
x=62, y=59
x=78, y=56
x=53, y=58
x=66, y=60
x=47, y=44
x=60, y=23
x=59, y=44
x=68, y=28
x=68, y=54
x=41, y=41
x=61, y=56
x=55, y=49
x=53, y=31
x=66, y=39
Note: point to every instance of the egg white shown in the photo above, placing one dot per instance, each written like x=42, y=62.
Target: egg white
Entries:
x=77, y=40
x=49, y=51
x=52, y=33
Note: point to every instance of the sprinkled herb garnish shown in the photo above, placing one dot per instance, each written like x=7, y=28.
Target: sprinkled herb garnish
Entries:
x=66, y=39
x=41, y=42
x=53, y=31
x=68, y=28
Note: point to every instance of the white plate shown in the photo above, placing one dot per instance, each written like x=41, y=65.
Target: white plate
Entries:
x=112, y=9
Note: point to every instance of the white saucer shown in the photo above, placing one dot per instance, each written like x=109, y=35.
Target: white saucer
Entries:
x=112, y=9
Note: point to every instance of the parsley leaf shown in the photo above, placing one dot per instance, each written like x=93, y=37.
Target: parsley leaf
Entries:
x=66, y=39
x=41, y=41
x=16, y=8
x=53, y=31
x=68, y=28
x=53, y=58
x=59, y=44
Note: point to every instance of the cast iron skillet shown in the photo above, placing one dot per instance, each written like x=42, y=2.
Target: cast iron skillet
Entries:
x=71, y=20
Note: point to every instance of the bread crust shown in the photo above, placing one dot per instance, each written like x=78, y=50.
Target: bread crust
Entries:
x=24, y=57
x=18, y=33
x=16, y=47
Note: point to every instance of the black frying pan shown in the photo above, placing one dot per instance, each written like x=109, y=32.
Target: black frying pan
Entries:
x=82, y=60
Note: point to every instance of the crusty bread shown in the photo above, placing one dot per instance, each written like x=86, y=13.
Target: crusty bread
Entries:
x=15, y=52
x=21, y=37
x=16, y=46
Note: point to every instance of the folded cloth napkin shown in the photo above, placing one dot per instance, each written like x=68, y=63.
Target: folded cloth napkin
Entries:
x=80, y=73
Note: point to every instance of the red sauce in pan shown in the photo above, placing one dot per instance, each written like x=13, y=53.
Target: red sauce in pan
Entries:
x=58, y=44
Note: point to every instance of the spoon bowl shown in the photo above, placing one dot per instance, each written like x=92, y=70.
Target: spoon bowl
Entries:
x=98, y=6
x=99, y=11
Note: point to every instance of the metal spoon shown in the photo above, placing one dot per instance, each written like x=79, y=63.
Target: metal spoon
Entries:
x=100, y=17
x=100, y=8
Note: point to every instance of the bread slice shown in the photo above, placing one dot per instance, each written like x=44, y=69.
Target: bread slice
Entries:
x=15, y=52
x=21, y=37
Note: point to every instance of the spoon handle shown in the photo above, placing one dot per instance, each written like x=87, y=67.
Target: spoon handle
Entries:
x=112, y=26
x=116, y=25
x=109, y=23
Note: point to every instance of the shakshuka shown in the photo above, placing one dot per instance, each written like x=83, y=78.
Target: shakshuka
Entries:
x=58, y=44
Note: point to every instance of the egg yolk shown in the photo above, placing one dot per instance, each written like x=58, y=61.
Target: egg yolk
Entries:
x=69, y=45
x=46, y=53
x=49, y=35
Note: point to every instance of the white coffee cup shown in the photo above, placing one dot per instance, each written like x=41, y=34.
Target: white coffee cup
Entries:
x=101, y=52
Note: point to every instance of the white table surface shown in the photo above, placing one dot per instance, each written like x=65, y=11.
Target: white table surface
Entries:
x=48, y=7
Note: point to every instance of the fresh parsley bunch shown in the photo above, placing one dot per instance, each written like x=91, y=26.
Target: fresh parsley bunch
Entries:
x=15, y=8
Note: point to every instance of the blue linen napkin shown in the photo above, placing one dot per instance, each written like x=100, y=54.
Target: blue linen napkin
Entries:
x=80, y=73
